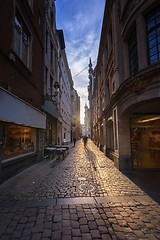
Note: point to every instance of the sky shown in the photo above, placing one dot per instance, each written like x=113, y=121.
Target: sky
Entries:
x=81, y=22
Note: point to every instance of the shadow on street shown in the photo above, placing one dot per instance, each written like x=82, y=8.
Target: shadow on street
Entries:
x=148, y=181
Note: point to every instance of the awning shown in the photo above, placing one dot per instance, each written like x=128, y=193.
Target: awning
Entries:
x=14, y=109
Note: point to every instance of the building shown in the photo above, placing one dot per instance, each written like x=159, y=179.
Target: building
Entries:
x=91, y=93
x=22, y=121
x=58, y=82
x=51, y=73
x=75, y=118
x=87, y=121
x=126, y=94
x=66, y=86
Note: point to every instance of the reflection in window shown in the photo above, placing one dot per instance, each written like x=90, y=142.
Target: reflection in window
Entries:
x=145, y=141
x=18, y=140
x=153, y=35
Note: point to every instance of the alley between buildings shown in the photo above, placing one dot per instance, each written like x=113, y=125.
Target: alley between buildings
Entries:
x=82, y=197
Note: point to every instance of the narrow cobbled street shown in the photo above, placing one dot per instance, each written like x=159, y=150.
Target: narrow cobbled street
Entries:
x=82, y=197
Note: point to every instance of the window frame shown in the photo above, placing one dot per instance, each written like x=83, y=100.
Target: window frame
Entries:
x=22, y=39
x=153, y=35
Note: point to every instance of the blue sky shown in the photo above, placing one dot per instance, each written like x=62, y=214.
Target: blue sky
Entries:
x=81, y=21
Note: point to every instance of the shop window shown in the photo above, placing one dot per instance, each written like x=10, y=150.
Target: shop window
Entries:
x=153, y=35
x=18, y=140
x=145, y=140
x=133, y=54
x=22, y=40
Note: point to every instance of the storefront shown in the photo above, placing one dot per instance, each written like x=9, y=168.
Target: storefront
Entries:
x=51, y=131
x=21, y=134
x=17, y=140
x=145, y=141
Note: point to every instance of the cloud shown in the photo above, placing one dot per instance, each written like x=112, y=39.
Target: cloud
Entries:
x=81, y=22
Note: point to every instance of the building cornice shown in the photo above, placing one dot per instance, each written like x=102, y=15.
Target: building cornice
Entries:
x=134, y=85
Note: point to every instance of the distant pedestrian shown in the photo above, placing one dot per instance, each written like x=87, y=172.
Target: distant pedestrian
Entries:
x=85, y=139
x=74, y=141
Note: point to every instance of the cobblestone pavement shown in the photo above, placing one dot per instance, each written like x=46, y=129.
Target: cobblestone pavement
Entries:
x=82, y=197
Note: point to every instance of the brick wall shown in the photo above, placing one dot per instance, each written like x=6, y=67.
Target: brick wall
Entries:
x=22, y=81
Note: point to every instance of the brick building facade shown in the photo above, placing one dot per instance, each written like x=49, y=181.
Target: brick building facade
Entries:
x=21, y=84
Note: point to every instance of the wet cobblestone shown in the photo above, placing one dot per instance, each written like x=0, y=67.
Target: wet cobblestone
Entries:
x=82, y=197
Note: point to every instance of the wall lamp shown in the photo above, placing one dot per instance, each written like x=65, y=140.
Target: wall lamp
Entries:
x=56, y=92
x=56, y=86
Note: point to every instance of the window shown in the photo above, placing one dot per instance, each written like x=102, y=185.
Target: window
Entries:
x=46, y=79
x=51, y=16
x=110, y=39
x=46, y=41
x=39, y=18
x=22, y=40
x=153, y=35
x=30, y=2
x=51, y=56
x=133, y=54
x=18, y=140
x=115, y=123
x=112, y=85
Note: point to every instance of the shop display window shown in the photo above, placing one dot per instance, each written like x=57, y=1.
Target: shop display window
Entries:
x=17, y=140
x=145, y=141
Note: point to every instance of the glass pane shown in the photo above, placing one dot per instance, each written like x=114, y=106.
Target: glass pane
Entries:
x=152, y=35
x=25, y=38
x=151, y=24
x=153, y=50
x=158, y=12
x=154, y=58
x=24, y=53
x=145, y=140
x=18, y=24
x=18, y=140
x=150, y=17
x=158, y=19
x=152, y=43
x=17, y=43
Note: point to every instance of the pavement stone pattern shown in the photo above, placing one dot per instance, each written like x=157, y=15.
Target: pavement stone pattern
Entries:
x=82, y=197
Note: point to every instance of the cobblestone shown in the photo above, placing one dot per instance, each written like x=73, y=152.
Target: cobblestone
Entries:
x=82, y=197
